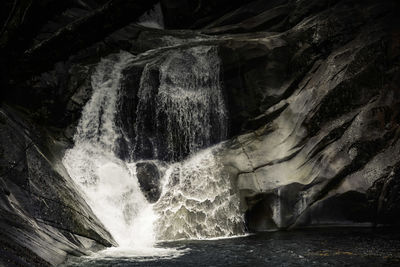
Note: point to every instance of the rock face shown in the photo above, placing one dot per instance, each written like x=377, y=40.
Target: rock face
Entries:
x=44, y=217
x=320, y=100
x=149, y=178
x=187, y=14
x=312, y=95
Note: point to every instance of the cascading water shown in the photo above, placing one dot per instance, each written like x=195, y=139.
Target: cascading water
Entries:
x=198, y=201
x=176, y=116
x=109, y=183
x=185, y=111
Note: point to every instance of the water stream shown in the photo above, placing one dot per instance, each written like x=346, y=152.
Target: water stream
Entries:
x=107, y=181
x=180, y=117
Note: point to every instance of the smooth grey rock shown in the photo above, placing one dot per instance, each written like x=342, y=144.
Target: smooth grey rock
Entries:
x=333, y=127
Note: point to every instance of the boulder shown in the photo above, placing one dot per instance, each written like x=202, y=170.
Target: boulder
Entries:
x=149, y=177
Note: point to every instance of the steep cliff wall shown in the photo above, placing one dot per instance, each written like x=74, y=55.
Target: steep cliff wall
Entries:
x=320, y=101
x=43, y=216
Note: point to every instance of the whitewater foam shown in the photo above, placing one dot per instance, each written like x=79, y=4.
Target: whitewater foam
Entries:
x=198, y=199
x=109, y=183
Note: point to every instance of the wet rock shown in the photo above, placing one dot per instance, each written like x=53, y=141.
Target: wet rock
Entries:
x=321, y=129
x=384, y=197
x=312, y=93
x=39, y=202
x=149, y=177
x=258, y=217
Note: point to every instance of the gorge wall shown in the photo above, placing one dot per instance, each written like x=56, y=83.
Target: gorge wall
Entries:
x=311, y=118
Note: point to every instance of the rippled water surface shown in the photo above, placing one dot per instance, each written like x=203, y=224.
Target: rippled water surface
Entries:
x=323, y=247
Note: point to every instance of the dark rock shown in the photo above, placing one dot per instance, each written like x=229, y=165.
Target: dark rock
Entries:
x=149, y=177
x=349, y=208
x=80, y=34
x=258, y=216
x=183, y=14
x=252, y=11
x=384, y=197
x=39, y=201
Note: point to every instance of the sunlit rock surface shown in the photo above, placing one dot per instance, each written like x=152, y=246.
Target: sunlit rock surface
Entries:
x=323, y=120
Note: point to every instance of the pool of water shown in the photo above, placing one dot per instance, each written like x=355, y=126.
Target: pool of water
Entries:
x=309, y=247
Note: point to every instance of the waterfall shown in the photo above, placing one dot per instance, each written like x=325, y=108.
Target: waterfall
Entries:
x=185, y=111
x=109, y=183
x=189, y=99
x=180, y=113
x=198, y=201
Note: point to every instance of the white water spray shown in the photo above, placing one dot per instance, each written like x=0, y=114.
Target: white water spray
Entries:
x=110, y=184
x=187, y=110
x=198, y=200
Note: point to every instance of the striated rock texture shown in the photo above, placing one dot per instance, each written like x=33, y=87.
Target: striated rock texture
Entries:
x=320, y=100
x=43, y=216
x=312, y=95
